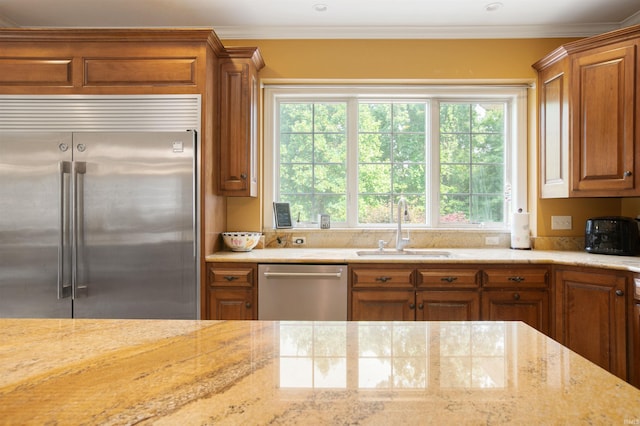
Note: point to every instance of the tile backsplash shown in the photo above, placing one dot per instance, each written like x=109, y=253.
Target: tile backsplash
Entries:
x=368, y=238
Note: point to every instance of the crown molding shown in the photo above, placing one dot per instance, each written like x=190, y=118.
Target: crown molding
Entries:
x=403, y=32
x=632, y=20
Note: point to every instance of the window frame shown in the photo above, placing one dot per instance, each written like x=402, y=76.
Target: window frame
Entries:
x=515, y=130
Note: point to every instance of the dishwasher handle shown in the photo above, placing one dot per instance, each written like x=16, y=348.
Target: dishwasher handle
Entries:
x=303, y=274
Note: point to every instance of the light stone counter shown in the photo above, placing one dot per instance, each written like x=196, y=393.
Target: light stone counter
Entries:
x=164, y=372
x=457, y=256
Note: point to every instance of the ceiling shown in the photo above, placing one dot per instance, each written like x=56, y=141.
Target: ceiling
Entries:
x=270, y=19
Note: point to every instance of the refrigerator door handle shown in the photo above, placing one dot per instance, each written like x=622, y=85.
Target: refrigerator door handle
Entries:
x=64, y=286
x=77, y=168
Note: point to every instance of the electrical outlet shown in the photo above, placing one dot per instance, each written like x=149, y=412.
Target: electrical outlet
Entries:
x=299, y=241
x=561, y=222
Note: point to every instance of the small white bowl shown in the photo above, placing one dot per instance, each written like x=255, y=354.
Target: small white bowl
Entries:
x=241, y=241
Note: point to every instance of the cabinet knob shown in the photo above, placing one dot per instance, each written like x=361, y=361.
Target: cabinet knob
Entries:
x=619, y=293
x=383, y=279
x=421, y=306
x=243, y=176
x=248, y=305
x=516, y=279
x=516, y=296
x=230, y=277
x=412, y=306
x=628, y=173
x=448, y=279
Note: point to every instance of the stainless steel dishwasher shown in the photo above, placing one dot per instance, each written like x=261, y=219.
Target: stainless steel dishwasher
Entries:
x=302, y=292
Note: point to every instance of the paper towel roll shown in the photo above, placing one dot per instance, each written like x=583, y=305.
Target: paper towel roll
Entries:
x=520, y=238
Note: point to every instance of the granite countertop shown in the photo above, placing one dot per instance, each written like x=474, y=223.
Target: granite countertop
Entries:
x=259, y=372
x=456, y=256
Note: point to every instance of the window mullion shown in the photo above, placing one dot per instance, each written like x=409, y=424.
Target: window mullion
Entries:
x=433, y=160
x=352, y=162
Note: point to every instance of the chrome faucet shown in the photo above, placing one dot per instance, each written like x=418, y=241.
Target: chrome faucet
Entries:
x=401, y=242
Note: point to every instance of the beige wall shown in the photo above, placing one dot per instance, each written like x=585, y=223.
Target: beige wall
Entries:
x=439, y=60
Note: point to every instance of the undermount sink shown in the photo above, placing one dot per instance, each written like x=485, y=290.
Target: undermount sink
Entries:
x=416, y=253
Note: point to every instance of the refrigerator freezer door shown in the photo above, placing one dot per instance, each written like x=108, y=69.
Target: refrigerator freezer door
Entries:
x=134, y=222
x=34, y=189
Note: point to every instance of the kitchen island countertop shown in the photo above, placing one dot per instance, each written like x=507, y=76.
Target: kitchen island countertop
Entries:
x=456, y=256
x=64, y=371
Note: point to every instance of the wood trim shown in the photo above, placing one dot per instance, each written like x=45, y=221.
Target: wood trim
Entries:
x=239, y=52
x=36, y=71
x=106, y=34
x=589, y=43
x=120, y=35
x=557, y=55
x=139, y=71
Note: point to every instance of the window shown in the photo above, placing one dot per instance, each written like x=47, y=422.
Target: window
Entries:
x=352, y=152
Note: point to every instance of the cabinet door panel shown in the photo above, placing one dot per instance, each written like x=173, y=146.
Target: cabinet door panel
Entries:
x=593, y=319
x=228, y=304
x=531, y=307
x=554, y=130
x=448, y=306
x=238, y=128
x=383, y=306
x=603, y=87
x=635, y=353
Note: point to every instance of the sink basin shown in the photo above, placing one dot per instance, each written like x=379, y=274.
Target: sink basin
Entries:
x=404, y=253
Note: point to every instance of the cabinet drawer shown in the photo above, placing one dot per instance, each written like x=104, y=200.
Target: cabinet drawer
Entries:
x=362, y=277
x=230, y=277
x=449, y=278
x=516, y=278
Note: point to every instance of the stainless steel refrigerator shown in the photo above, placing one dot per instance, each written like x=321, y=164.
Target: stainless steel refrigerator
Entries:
x=98, y=225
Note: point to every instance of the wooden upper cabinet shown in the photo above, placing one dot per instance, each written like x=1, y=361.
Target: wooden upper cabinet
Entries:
x=239, y=123
x=604, y=93
x=108, y=61
x=553, y=82
x=588, y=107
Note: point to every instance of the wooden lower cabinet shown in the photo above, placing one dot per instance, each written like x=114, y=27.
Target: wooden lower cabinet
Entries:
x=436, y=305
x=231, y=291
x=446, y=294
x=517, y=294
x=531, y=307
x=634, y=355
x=381, y=305
x=381, y=293
x=591, y=315
x=409, y=294
x=229, y=304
